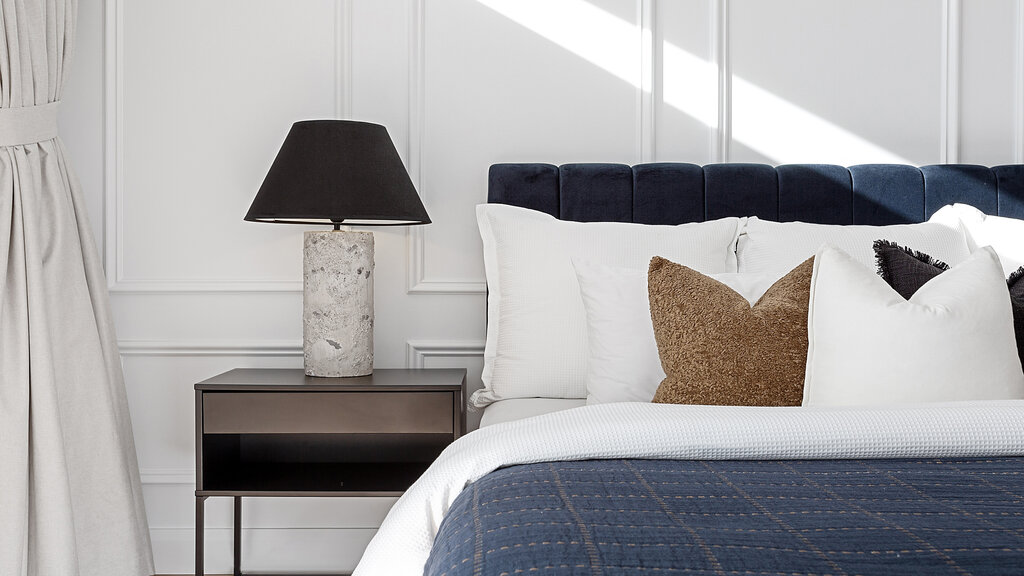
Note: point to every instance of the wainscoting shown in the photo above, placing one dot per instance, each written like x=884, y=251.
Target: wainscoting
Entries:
x=176, y=110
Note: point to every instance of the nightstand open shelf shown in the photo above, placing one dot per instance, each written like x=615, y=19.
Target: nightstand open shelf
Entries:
x=272, y=433
x=297, y=463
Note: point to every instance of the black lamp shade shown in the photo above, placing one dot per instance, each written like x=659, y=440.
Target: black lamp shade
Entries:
x=338, y=171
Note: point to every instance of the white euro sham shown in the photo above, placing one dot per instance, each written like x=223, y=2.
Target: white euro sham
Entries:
x=777, y=247
x=536, y=336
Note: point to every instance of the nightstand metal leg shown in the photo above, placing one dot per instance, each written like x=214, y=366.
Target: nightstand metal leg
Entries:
x=200, y=528
x=238, y=535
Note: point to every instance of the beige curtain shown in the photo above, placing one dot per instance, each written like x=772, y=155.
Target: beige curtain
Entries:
x=70, y=499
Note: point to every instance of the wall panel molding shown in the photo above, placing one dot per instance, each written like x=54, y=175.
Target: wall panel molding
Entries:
x=417, y=351
x=114, y=168
x=951, y=47
x=719, y=34
x=113, y=99
x=650, y=66
x=168, y=476
x=1018, y=132
x=210, y=348
x=416, y=276
x=201, y=286
x=313, y=550
x=343, y=58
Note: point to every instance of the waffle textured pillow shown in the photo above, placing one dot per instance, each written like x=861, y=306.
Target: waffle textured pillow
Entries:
x=716, y=348
x=767, y=246
x=952, y=341
x=906, y=270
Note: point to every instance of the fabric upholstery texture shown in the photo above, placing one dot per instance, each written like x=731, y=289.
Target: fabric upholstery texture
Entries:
x=519, y=408
x=716, y=348
x=907, y=270
x=674, y=193
x=622, y=360
x=1016, y=285
x=644, y=430
x=71, y=502
x=916, y=516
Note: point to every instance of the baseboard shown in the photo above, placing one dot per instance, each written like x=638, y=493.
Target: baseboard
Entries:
x=263, y=549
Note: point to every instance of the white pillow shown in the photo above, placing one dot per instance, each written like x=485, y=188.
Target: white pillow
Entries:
x=536, y=334
x=623, y=363
x=953, y=340
x=1005, y=235
x=778, y=247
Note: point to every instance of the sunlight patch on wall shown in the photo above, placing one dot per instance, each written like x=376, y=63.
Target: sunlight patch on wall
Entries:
x=762, y=121
x=597, y=36
x=785, y=132
x=690, y=84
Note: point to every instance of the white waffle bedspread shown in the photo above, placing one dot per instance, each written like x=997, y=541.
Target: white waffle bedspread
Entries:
x=640, y=430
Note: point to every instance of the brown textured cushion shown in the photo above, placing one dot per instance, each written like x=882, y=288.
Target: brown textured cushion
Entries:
x=717, y=349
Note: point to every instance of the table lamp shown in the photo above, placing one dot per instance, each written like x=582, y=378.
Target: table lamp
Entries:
x=337, y=172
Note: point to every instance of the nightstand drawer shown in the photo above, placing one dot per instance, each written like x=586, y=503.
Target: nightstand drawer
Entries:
x=329, y=413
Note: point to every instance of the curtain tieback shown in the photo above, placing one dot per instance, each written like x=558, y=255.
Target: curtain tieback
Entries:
x=28, y=124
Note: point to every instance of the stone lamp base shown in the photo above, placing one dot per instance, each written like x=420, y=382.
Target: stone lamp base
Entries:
x=337, y=303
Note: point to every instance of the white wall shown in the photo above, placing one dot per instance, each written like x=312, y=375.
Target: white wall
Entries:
x=176, y=109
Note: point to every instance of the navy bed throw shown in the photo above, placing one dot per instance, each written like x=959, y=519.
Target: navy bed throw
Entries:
x=619, y=517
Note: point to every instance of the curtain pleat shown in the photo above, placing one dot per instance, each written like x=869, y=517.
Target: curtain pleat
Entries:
x=70, y=498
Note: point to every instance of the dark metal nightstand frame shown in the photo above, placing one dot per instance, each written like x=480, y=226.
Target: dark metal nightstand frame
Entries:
x=412, y=393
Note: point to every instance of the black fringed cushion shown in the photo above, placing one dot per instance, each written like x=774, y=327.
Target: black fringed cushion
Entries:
x=1016, y=284
x=906, y=270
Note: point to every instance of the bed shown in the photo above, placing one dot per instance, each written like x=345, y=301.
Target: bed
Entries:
x=519, y=408
x=552, y=486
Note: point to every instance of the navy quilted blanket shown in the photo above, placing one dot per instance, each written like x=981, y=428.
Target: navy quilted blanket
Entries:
x=644, y=517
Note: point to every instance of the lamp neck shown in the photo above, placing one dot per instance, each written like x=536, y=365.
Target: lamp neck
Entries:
x=337, y=224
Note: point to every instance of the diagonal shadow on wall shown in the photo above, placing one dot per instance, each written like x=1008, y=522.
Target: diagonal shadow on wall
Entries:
x=780, y=130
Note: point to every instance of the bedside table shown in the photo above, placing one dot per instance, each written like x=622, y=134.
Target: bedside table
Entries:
x=278, y=432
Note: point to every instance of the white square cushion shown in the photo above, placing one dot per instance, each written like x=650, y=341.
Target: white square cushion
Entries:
x=623, y=363
x=778, y=247
x=536, y=333
x=953, y=340
x=1005, y=235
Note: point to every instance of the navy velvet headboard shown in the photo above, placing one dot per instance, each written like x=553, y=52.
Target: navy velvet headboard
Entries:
x=675, y=193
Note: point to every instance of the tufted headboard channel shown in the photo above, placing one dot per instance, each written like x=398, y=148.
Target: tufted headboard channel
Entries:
x=675, y=193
